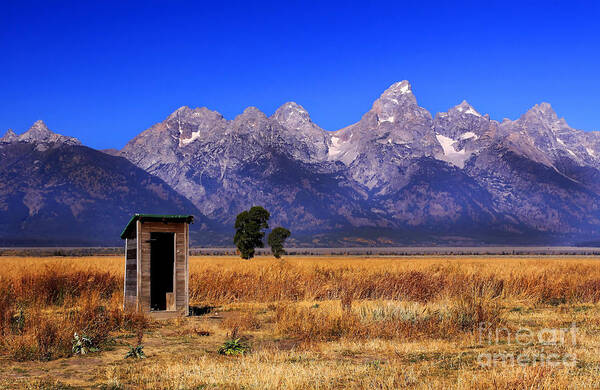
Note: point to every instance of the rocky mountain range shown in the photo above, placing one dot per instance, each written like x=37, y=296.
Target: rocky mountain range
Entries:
x=54, y=191
x=399, y=176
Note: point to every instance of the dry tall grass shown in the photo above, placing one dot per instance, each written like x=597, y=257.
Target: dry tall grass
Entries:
x=535, y=280
x=43, y=305
x=331, y=308
x=222, y=280
x=328, y=320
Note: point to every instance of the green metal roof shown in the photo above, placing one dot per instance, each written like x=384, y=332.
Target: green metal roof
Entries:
x=154, y=218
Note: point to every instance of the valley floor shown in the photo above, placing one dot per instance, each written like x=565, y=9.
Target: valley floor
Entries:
x=328, y=322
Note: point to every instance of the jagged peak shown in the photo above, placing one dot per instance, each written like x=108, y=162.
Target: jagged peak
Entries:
x=9, y=136
x=399, y=88
x=544, y=107
x=39, y=126
x=393, y=104
x=179, y=112
x=464, y=105
x=250, y=118
x=543, y=110
x=186, y=112
x=39, y=132
x=292, y=114
x=252, y=111
x=291, y=106
x=465, y=108
x=396, y=96
x=249, y=115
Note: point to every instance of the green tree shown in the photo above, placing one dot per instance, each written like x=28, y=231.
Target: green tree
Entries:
x=276, y=240
x=249, y=230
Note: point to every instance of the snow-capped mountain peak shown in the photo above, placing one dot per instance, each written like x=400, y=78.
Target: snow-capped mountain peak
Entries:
x=458, y=169
x=466, y=108
x=399, y=88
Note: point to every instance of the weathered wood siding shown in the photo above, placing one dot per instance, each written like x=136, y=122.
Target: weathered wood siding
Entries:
x=144, y=298
x=187, y=269
x=180, y=270
x=130, y=287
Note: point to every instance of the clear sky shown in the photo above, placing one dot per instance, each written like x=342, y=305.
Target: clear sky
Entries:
x=104, y=72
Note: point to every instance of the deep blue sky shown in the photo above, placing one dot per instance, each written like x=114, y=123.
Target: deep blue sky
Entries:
x=104, y=72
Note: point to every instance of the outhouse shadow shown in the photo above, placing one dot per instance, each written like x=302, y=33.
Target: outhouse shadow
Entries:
x=200, y=310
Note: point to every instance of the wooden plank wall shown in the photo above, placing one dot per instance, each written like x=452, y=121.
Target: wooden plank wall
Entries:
x=144, y=299
x=187, y=269
x=180, y=270
x=180, y=263
x=130, y=285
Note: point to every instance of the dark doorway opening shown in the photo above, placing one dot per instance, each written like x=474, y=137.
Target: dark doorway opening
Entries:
x=162, y=258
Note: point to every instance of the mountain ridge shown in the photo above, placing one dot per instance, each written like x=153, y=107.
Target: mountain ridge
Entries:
x=55, y=191
x=398, y=169
x=393, y=145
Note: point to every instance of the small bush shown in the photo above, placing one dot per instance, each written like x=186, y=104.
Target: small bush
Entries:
x=136, y=352
x=82, y=345
x=234, y=347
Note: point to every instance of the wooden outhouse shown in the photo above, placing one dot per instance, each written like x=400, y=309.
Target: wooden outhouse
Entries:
x=156, y=264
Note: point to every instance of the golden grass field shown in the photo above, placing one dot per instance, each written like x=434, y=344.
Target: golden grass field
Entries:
x=311, y=322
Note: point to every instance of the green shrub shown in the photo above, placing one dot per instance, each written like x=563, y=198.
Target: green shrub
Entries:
x=136, y=352
x=234, y=347
x=82, y=345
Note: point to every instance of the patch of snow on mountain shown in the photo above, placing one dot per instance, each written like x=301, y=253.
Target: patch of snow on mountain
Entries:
x=590, y=152
x=195, y=136
x=468, y=135
x=447, y=144
x=343, y=151
x=335, y=148
x=467, y=109
x=472, y=112
x=390, y=119
x=451, y=155
x=562, y=143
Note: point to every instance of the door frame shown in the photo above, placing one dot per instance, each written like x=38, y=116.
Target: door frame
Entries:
x=174, y=292
x=174, y=271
